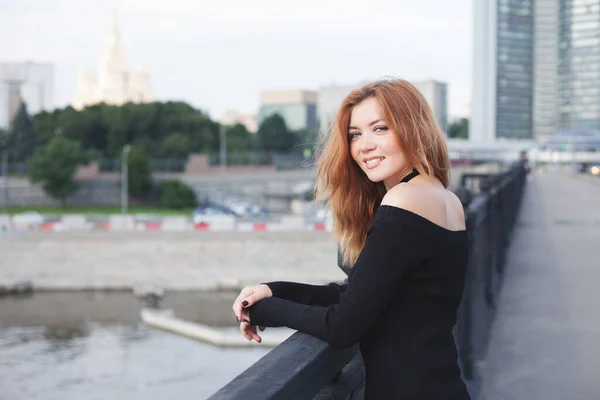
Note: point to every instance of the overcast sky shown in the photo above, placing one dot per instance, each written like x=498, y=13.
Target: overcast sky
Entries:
x=221, y=53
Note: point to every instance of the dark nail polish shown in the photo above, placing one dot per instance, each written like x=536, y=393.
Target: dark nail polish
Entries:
x=244, y=303
x=237, y=319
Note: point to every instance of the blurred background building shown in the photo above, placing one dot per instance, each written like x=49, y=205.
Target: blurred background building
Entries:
x=114, y=84
x=298, y=108
x=536, y=70
x=232, y=117
x=436, y=94
x=545, y=96
x=579, y=65
x=330, y=98
x=28, y=82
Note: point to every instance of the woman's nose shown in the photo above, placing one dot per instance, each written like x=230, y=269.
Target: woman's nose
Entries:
x=367, y=145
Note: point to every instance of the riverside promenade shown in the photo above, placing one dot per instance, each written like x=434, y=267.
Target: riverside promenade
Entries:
x=545, y=340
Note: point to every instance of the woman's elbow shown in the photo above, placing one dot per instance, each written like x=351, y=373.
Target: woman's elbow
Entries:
x=342, y=340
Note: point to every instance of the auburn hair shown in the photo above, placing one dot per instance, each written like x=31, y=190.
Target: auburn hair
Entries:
x=352, y=198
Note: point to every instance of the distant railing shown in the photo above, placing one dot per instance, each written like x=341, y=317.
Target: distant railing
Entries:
x=490, y=219
x=155, y=164
x=279, y=160
x=16, y=169
x=304, y=367
x=251, y=158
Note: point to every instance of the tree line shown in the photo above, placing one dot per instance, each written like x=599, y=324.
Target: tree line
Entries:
x=161, y=129
x=54, y=143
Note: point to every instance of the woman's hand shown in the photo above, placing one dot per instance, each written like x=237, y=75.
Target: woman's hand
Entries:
x=249, y=296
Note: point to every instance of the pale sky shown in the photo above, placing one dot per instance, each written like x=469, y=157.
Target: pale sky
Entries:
x=221, y=54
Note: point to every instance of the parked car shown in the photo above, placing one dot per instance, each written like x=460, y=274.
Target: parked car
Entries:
x=318, y=212
x=211, y=209
x=245, y=209
x=257, y=211
x=28, y=219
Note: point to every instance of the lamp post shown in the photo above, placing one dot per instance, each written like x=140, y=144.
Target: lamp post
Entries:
x=223, y=148
x=124, y=178
x=4, y=166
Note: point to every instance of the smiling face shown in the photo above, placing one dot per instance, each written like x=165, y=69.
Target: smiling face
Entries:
x=374, y=146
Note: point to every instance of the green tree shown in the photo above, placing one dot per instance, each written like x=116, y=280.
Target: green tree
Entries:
x=92, y=128
x=150, y=147
x=45, y=124
x=23, y=133
x=144, y=121
x=107, y=128
x=274, y=135
x=459, y=129
x=118, y=121
x=204, y=140
x=54, y=166
x=5, y=145
x=176, y=145
x=86, y=127
x=175, y=194
x=5, y=139
x=138, y=171
x=239, y=139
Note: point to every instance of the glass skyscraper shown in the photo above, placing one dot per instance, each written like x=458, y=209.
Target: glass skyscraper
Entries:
x=579, y=65
x=514, y=87
x=545, y=95
x=537, y=68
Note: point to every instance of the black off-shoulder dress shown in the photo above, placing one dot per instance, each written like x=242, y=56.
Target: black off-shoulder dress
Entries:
x=400, y=304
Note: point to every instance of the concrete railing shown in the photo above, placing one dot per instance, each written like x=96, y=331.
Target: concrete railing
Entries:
x=304, y=367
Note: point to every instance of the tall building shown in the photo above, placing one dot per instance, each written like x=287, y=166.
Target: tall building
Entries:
x=28, y=82
x=298, y=108
x=330, y=98
x=436, y=94
x=114, y=84
x=536, y=68
x=545, y=95
x=579, y=65
x=502, y=101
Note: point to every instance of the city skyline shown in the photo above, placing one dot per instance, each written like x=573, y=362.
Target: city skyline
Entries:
x=221, y=56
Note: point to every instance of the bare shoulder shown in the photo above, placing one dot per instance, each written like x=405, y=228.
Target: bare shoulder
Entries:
x=434, y=203
x=457, y=205
x=407, y=196
x=456, y=212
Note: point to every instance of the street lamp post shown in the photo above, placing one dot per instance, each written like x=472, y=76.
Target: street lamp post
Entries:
x=223, y=148
x=124, y=179
x=4, y=167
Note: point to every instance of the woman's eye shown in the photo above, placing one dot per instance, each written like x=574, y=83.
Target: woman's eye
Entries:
x=353, y=135
x=381, y=128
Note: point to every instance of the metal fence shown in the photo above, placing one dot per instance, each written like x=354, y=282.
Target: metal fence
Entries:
x=490, y=218
x=304, y=367
x=177, y=165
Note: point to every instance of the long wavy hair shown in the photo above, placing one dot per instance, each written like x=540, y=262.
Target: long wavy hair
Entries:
x=352, y=198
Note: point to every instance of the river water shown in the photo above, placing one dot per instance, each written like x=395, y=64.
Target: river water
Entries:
x=93, y=346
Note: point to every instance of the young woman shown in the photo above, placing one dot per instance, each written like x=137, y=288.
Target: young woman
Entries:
x=384, y=173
